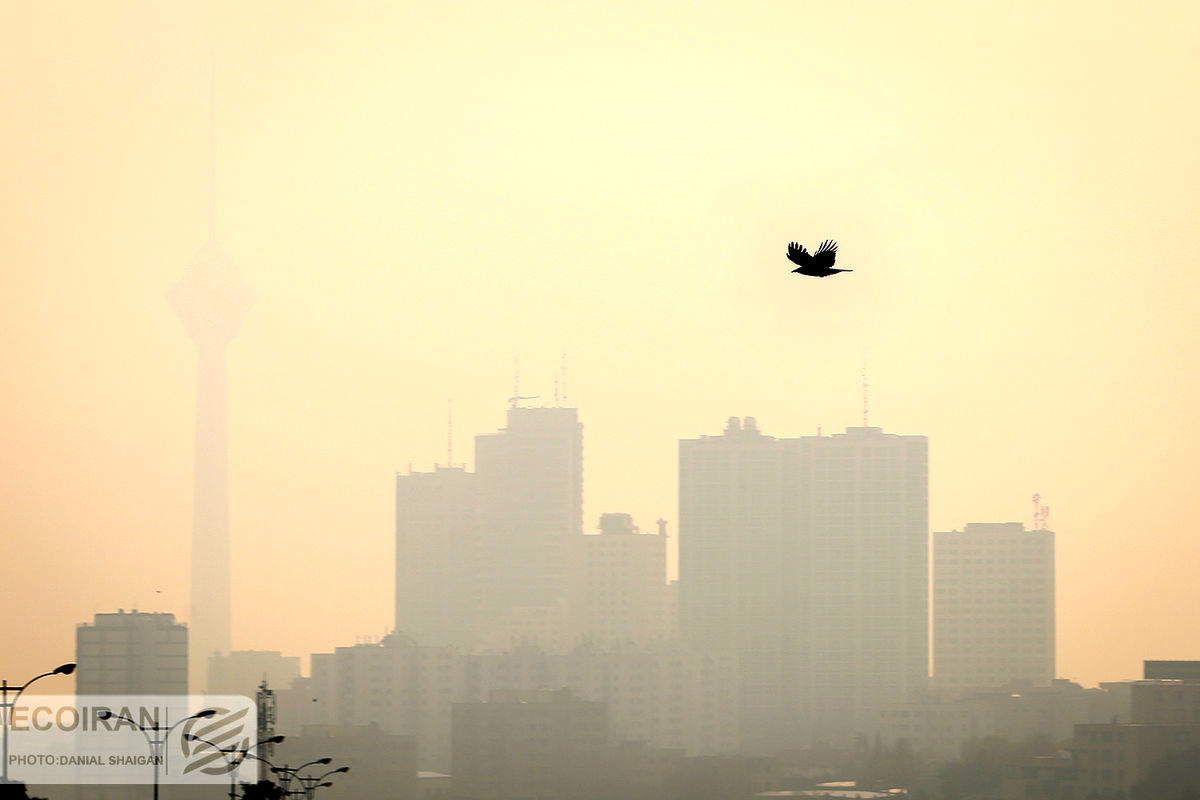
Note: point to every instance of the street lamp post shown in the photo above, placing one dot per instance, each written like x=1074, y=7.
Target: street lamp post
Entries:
x=64, y=669
x=157, y=743
x=234, y=763
x=311, y=784
x=309, y=788
x=292, y=773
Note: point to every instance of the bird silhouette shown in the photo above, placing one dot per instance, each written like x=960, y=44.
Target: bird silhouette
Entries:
x=818, y=264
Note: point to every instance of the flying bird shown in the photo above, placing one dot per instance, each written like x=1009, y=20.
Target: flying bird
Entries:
x=818, y=264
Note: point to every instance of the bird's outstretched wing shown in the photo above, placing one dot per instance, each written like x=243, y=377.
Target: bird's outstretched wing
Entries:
x=798, y=255
x=825, y=254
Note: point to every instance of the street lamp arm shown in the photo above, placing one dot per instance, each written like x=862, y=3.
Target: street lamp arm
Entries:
x=337, y=771
x=205, y=714
x=106, y=714
x=62, y=669
x=257, y=757
x=65, y=669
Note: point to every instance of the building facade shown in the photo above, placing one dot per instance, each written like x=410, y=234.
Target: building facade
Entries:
x=619, y=591
x=529, y=744
x=993, y=606
x=241, y=672
x=131, y=652
x=485, y=555
x=808, y=558
x=662, y=694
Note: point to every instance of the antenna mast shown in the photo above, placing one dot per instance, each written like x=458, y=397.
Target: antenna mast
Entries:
x=516, y=380
x=563, y=371
x=450, y=433
x=1041, y=514
x=864, y=390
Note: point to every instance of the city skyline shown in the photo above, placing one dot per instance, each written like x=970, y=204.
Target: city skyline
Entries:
x=418, y=199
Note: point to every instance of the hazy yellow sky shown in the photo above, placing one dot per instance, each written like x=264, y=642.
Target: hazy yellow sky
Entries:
x=422, y=191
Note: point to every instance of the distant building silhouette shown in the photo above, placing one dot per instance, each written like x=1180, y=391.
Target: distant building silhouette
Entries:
x=1172, y=670
x=808, y=558
x=941, y=723
x=241, y=672
x=1106, y=761
x=440, y=556
x=528, y=744
x=619, y=590
x=993, y=606
x=485, y=555
x=134, y=652
x=531, y=483
x=382, y=765
x=128, y=653
x=663, y=694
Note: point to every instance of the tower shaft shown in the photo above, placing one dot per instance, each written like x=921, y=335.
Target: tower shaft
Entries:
x=210, y=616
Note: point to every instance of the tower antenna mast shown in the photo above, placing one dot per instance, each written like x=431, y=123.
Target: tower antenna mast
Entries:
x=212, y=149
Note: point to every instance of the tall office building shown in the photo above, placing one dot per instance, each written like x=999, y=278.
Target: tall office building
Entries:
x=133, y=652
x=807, y=557
x=486, y=551
x=993, y=606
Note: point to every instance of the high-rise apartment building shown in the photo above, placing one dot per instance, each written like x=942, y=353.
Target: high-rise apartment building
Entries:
x=531, y=491
x=993, y=606
x=440, y=557
x=133, y=652
x=489, y=551
x=807, y=557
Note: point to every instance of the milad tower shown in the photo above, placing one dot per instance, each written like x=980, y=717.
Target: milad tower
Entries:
x=211, y=299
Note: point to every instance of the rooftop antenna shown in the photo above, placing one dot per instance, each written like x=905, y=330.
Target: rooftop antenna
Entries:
x=1041, y=514
x=864, y=389
x=563, y=371
x=450, y=433
x=517, y=397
